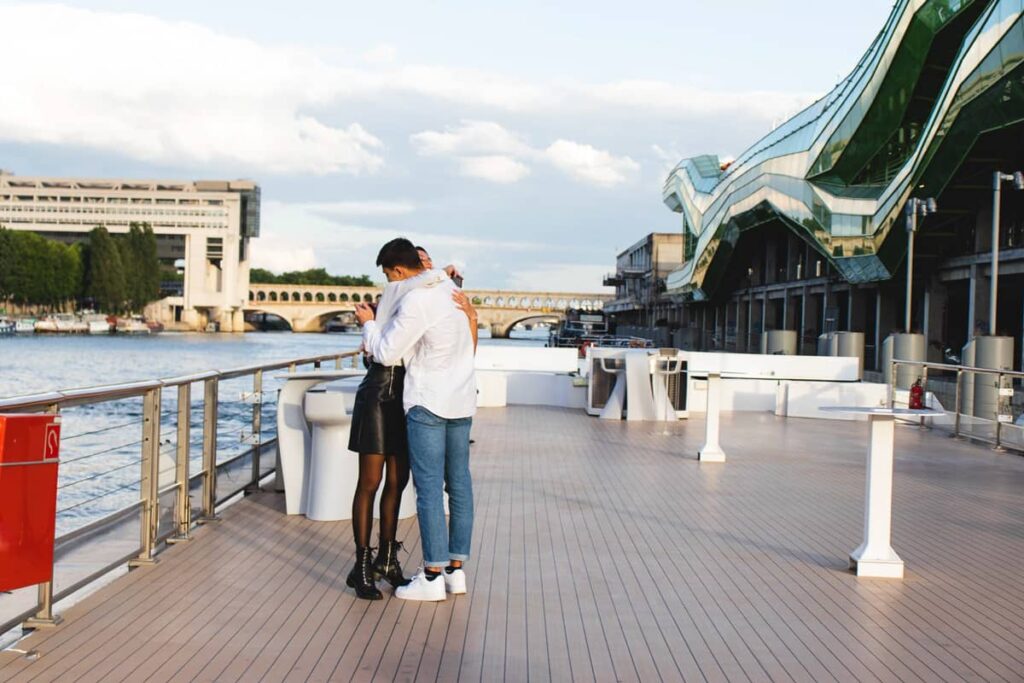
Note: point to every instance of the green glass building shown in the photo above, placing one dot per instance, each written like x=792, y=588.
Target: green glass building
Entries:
x=806, y=230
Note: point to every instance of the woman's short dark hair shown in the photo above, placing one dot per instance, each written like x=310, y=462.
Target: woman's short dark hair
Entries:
x=399, y=252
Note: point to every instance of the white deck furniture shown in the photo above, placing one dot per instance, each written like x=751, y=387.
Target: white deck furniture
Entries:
x=294, y=438
x=712, y=451
x=875, y=557
x=616, y=402
x=333, y=471
x=664, y=366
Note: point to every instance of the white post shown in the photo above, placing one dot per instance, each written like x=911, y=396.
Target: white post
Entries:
x=712, y=451
x=875, y=556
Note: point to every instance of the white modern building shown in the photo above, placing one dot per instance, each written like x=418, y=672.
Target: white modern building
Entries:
x=205, y=224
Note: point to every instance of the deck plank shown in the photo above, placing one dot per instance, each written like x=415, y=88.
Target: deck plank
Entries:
x=602, y=551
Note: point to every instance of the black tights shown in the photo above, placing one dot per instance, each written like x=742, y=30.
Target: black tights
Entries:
x=371, y=470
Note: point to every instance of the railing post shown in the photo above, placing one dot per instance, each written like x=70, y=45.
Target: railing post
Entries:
x=316, y=365
x=999, y=414
x=355, y=362
x=337, y=362
x=210, y=398
x=150, y=486
x=291, y=367
x=183, y=512
x=257, y=428
x=892, y=384
x=924, y=390
x=44, y=616
x=958, y=402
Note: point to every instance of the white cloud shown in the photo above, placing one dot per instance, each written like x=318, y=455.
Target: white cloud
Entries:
x=360, y=208
x=589, y=164
x=381, y=54
x=170, y=92
x=562, y=277
x=497, y=169
x=302, y=235
x=490, y=151
x=668, y=99
x=281, y=255
x=174, y=92
x=470, y=137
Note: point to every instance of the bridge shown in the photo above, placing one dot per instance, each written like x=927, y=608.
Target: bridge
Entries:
x=308, y=308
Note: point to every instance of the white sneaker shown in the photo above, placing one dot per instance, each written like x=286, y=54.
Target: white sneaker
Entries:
x=455, y=583
x=419, y=588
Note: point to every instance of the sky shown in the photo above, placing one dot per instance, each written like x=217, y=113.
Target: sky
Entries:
x=526, y=142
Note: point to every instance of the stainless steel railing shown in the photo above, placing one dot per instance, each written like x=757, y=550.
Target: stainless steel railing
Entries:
x=169, y=506
x=951, y=385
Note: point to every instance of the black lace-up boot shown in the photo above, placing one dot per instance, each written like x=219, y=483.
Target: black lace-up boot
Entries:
x=361, y=577
x=387, y=566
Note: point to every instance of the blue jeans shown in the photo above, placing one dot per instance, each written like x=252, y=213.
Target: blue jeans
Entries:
x=439, y=456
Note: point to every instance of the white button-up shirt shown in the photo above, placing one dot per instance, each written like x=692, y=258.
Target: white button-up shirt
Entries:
x=432, y=334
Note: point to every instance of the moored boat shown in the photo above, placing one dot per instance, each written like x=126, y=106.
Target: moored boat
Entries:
x=25, y=326
x=133, y=325
x=98, y=324
x=7, y=326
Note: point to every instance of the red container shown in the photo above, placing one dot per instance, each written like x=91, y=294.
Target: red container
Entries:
x=29, y=452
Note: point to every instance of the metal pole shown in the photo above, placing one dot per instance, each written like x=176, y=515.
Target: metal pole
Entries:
x=257, y=427
x=958, y=402
x=210, y=398
x=892, y=384
x=999, y=422
x=924, y=391
x=184, y=510
x=150, y=486
x=44, y=617
x=910, y=266
x=997, y=185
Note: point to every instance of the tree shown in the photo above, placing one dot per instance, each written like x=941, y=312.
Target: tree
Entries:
x=142, y=267
x=105, y=281
x=6, y=263
x=312, y=276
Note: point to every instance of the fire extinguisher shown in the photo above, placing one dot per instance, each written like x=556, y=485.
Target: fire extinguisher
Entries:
x=917, y=396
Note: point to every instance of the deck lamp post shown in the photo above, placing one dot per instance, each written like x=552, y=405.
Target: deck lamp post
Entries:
x=915, y=207
x=998, y=179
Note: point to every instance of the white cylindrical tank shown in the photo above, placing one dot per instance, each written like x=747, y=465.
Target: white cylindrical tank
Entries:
x=995, y=353
x=903, y=346
x=850, y=345
x=779, y=342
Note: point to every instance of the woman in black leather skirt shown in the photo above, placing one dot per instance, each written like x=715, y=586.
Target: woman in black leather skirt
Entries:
x=378, y=436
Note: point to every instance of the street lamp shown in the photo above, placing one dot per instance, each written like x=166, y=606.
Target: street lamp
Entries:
x=998, y=179
x=915, y=207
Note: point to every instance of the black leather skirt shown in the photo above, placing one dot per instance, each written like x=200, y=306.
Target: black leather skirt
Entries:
x=378, y=417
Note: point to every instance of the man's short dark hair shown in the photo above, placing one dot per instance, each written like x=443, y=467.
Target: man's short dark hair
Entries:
x=399, y=252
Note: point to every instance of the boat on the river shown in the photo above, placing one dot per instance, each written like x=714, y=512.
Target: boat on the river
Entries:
x=582, y=329
x=98, y=323
x=62, y=323
x=7, y=326
x=134, y=325
x=25, y=326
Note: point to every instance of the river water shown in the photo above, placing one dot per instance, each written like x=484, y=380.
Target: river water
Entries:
x=100, y=444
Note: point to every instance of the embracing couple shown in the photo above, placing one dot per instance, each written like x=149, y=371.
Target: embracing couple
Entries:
x=413, y=411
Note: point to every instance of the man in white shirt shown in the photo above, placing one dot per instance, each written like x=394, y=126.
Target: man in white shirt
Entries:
x=429, y=332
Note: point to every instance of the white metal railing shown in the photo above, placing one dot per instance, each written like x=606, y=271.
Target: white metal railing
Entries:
x=239, y=473
x=991, y=428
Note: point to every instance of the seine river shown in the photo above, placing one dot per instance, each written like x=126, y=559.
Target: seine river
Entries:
x=100, y=461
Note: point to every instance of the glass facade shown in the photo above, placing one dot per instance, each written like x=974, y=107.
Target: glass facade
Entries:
x=940, y=73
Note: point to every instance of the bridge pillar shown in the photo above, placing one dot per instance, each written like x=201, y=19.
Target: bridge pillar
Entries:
x=500, y=330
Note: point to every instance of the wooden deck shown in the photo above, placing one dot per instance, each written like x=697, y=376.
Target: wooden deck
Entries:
x=602, y=551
